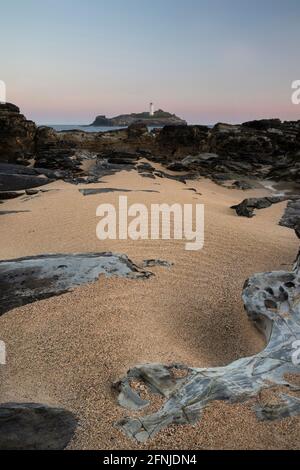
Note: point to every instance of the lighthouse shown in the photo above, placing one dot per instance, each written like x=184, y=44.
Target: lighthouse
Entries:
x=151, y=112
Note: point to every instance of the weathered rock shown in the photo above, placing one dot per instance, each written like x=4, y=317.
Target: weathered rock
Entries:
x=26, y=280
x=33, y=426
x=181, y=140
x=159, y=118
x=147, y=263
x=240, y=184
x=17, y=135
x=10, y=194
x=92, y=191
x=19, y=177
x=291, y=216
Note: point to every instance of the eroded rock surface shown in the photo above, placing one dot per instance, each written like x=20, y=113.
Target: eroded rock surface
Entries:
x=26, y=280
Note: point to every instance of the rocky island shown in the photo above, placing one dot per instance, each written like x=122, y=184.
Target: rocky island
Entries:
x=158, y=118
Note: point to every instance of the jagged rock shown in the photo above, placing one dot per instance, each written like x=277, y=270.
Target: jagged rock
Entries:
x=18, y=177
x=147, y=263
x=178, y=140
x=10, y=194
x=33, y=426
x=26, y=280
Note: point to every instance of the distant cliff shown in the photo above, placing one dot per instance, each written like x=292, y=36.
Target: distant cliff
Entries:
x=159, y=118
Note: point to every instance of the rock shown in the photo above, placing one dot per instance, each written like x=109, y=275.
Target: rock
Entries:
x=291, y=216
x=147, y=263
x=182, y=140
x=241, y=184
x=19, y=177
x=26, y=280
x=137, y=129
x=272, y=302
x=32, y=192
x=122, y=158
x=92, y=191
x=17, y=135
x=263, y=124
x=247, y=206
x=33, y=426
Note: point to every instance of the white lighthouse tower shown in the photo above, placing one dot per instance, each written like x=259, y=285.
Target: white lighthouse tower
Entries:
x=151, y=112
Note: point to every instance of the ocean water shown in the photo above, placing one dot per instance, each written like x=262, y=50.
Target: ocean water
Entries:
x=71, y=127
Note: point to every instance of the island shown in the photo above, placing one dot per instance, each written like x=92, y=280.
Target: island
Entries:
x=158, y=118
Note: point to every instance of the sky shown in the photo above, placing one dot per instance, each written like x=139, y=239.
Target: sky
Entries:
x=66, y=61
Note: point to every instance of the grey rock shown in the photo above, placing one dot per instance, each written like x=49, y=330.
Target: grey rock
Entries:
x=33, y=426
x=247, y=206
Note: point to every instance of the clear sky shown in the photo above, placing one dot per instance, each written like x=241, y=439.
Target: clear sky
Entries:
x=64, y=61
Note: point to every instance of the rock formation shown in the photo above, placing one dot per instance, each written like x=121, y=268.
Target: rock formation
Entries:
x=266, y=149
x=159, y=118
x=26, y=280
x=17, y=144
x=33, y=426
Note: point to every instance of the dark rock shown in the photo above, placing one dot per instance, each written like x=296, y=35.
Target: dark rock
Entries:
x=19, y=182
x=247, y=206
x=291, y=216
x=244, y=185
x=272, y=303
x=137, y=129
x=148, y=263
x=10, y=194
x=32, y=426
x=32, y=192
x=263, y=124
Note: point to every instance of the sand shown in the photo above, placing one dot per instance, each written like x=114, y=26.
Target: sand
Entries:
x=68, y=350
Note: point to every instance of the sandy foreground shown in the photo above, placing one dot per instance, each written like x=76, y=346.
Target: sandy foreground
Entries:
x=68, y=350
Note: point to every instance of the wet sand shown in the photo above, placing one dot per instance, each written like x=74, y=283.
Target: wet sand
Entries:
x=68, y=350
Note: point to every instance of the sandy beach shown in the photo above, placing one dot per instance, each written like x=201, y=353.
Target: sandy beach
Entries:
x=69, y=349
